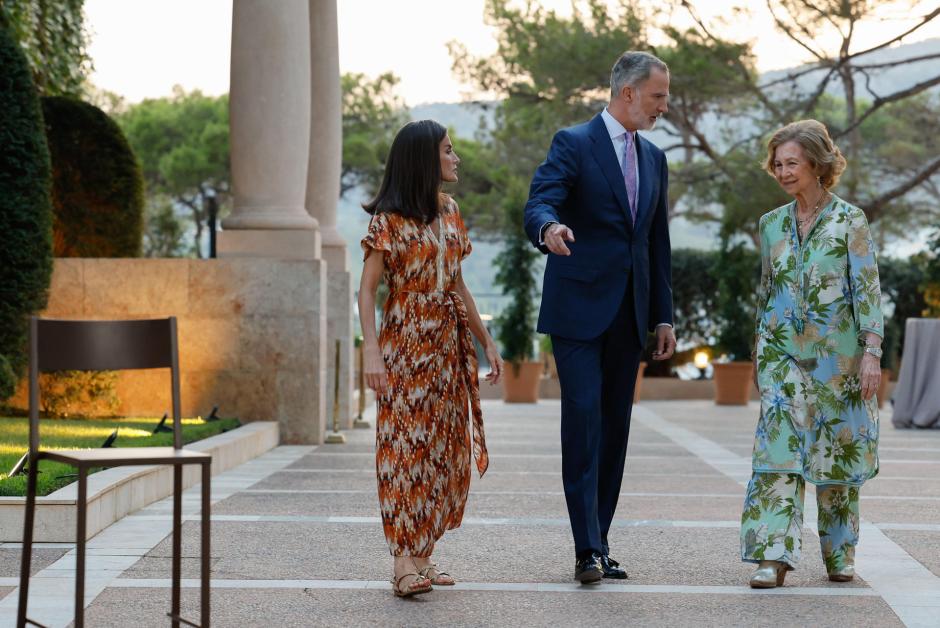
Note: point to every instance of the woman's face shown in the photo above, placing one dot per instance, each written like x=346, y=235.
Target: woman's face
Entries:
x=793, y=171
x=449, y=161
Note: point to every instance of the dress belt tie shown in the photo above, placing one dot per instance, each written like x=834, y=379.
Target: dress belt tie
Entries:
x=468, y=359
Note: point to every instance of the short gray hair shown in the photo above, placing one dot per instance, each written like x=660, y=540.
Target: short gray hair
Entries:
x=632, y=68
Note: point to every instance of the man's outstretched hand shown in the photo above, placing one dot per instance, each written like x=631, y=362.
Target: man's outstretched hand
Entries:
x=555, y=237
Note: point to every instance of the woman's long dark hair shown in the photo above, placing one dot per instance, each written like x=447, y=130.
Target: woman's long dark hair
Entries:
x=411, y=184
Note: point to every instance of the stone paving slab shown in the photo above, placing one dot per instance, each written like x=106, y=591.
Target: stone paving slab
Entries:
x=475, y=553
x=487, y=505
x=359, y=504
x=912, y=467
x=883, y=485
x=542, y=433
x=879, y=511
x=287, y=558
x=924, y=546
x=329, y=607
x=516, y=463
x=551, y=482
x=499, y=447
x=42, y=558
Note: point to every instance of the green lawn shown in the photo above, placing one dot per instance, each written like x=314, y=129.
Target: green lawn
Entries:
x=85, y=434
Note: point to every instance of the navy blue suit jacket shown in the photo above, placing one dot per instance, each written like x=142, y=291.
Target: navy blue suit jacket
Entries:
x=580, y=184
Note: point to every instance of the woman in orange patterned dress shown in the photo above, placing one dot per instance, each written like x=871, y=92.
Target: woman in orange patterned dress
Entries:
x=422, y=365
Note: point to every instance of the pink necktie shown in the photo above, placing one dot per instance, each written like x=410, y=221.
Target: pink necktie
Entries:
x=629, y=172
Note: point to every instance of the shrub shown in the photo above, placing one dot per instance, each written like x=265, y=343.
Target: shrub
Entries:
x=694, y=302
x=902, y=287
x=97, y=195
x=85, y=393
x=515, y=274
x=25, y=211
x=931, y=287
x=738, y=272
x=97, y=187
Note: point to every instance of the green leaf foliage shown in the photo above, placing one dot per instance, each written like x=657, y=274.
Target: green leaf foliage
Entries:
x=372, y=115
x=738, y=271
x=515, y=274
x=902, y=285
x=53, y=37
x=182, y=142
x=25, y=210
x=97, y=185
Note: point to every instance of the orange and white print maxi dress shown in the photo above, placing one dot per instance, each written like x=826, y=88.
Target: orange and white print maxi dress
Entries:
x=423, y=443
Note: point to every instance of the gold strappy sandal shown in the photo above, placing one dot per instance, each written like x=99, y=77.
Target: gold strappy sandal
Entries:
x=420, y=584
x=436, y=578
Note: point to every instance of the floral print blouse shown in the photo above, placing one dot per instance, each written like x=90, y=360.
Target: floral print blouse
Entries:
x=818, y=298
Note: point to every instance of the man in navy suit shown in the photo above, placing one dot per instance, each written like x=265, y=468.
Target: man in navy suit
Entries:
x=599, y=205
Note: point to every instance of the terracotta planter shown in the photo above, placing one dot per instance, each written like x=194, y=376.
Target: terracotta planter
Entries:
x=521, y=382
x=733, y=382
x=883, y=387
x=639, y=382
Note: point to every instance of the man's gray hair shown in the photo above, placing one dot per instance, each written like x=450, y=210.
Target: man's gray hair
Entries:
x=632, y=68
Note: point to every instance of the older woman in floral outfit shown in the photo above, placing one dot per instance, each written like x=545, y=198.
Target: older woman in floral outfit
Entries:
x=817, y=362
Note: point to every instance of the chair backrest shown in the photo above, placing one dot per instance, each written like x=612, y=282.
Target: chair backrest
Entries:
x=79, y=345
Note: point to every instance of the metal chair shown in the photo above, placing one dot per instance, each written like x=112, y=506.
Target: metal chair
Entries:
x=56, y=345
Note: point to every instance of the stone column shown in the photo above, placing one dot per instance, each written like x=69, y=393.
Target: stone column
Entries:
x=269, y=103
x=269, y=113
x=323, y=184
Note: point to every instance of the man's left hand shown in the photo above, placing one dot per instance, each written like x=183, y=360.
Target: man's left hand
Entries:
x=665, y=343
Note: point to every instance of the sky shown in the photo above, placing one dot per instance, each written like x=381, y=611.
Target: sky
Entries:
x=141, y=48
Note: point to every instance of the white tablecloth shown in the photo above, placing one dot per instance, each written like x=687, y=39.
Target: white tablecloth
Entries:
x=917, y=394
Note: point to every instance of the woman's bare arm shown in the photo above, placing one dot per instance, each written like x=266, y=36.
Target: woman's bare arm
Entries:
x=373, y=363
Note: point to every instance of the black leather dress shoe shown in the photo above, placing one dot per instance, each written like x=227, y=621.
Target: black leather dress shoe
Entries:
x=588, y=570
x=612, y=568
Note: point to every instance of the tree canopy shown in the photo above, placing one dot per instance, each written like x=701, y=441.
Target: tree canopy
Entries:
x=372, y=114
x=182, y=142
x=550, y=71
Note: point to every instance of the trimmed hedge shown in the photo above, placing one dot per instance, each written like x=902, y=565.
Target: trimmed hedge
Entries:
x=98, y=189
x=25, y=210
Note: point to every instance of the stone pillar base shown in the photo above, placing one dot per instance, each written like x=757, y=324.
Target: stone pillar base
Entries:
x=278, y=243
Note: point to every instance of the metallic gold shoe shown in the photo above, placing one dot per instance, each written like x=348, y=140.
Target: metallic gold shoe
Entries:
x=769, y=574
x=845, y=574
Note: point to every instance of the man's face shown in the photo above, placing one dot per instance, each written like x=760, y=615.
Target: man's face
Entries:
x=648, y=100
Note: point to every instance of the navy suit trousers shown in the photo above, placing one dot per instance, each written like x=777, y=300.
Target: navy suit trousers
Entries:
x=597, y=378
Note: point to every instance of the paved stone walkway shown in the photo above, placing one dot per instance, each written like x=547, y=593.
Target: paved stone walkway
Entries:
x=297, y=540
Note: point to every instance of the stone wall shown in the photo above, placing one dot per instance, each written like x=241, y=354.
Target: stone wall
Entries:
x=250, y=334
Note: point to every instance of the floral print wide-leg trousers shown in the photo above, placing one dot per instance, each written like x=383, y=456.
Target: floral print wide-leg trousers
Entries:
x=772, y=523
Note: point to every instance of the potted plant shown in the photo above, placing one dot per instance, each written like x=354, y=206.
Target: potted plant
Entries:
x=735, y=269
x=515, y=327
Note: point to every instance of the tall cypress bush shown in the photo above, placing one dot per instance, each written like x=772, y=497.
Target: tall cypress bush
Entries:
x=25, y=210
x=97, y=186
